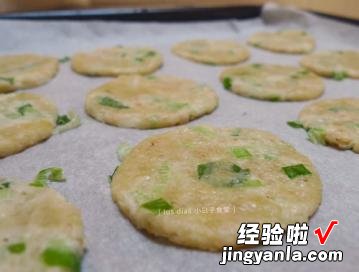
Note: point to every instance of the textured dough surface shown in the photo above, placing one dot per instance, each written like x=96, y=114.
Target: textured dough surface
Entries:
x=39, y=218
x=273, y=82
x=20, y=131
x=216, y=52
x=151, y=101
x=290, y=41
x=339, y=120
x=117, y=61
x=25, y=71
x=171, y=174
x=328, y=63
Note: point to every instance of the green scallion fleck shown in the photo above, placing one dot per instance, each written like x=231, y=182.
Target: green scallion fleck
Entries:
x=273, y=98
x=223, y=174
x=339, y=75
x=61, y=256
x=17, y=248
x=295, y=124
x=25, y=109
x=227, y=83
x=62, y=120
x=241, y=153
x=256, y=65
x=294, y=171
x=109, y=102
x=316, y=136
x=64, y=59
x=10, y=80
x=110, y=177
x=54, y=174
x=157, y=206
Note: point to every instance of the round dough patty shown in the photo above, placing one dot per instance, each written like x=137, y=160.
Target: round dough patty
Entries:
x=150, y=101
x=25, y=71
x=215, y=52
x=273, y=82
x=233, y=176
x=117, y=61
x=25, y=120
x=335, y=64
x=285, y=41
x=37, y=226
x=335, y=122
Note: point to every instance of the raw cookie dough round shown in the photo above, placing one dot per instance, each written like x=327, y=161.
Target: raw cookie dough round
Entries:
x=335, y=64
x=215, y=52
x=39, y=230
x=286, y=41
x=25, y=120
x=117, y=61
x=25, y=71
x=272, y=82
x=334, y=122
x=195, y=186
x=150, y=101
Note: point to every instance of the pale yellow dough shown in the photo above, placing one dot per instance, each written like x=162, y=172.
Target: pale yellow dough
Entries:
x=19, y=131
x=117, y=61
x=165, y=167
x=151, y=101
x=291, y=41
x=333, y=63
x=38, y=218
x=214, y=52
x=273, y=82
x=25, y=71
x=336, y=119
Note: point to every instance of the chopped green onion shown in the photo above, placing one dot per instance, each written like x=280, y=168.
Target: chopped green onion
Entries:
x=17, y=248
x=62, y=120
x=223, y=174
x=268, y=157
x=339, y=75
x=227, y=83
x=10, y=80
x=236, y=168
x=49, y=174
x=151, y=77
x=241, y=153
x=157, y=205
x=25, y=109
x=67, y=122
x=256, y=65
x=123, y=150
x=4, y=185
x=110, y=177
x=175, y=106
x=294, y=171
x=109, y=102
x=150, y=54
x=235, y=132
x=300, y=74
x=61, y=256
x=64, y=59
x=204, y=169
x=252, y=183
x=295, y=124
x=273, y=98
x=256, y=44
x=316, y=136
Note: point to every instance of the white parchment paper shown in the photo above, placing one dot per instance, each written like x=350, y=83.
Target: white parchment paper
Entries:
x=88, y=155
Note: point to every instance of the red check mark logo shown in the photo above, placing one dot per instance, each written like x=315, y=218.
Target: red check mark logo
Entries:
x=323, y=238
